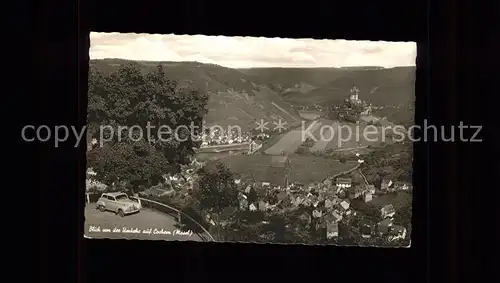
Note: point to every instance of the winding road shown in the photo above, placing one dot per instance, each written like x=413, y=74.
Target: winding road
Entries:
x=131, y=226
x=364, y=177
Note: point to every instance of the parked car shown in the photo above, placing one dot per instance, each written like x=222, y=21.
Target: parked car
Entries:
x=118, y=203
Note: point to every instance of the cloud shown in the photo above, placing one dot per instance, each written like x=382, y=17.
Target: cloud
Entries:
x=246, y=52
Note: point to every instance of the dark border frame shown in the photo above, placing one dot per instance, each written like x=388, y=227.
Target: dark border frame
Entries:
x=396, y=257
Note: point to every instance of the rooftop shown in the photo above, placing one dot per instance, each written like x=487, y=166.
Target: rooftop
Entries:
x=332, y=226
x=388, y=207
x=398, y=229
x=344, y=180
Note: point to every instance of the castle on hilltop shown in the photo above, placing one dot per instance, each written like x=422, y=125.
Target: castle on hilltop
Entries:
x=354, y=97
x=353, y=107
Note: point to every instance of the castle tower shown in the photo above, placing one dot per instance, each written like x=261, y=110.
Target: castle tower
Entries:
x=354, y=93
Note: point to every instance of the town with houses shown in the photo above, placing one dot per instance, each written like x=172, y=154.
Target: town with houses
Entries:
x=284, y=155
x=357, y=199
x=330, y=200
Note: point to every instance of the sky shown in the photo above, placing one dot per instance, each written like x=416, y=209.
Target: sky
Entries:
x=252, y=52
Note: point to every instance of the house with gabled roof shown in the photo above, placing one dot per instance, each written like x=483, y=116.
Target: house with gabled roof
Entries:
x=367, y=197
x=397, y=232
x=297, y=200
x=355, y=192
x=252, y=207
x=386, y=184
x=243, y=203
x=344, y=205
x=329, y=204
x=332, y=229
x=401, y=186
x=336, y=216
x=387, y=211
x=317, y=213
x=343, y=183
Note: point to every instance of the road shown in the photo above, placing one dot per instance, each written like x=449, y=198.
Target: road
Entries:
x=162, y=225
x=364, y=177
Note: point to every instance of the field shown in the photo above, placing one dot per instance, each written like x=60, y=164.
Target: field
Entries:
x=305, y=169
x=345, y=136
x=272, y=141
x=322, y=143
x=310, y=115
x=354, y=136
x=289, y=143
x=205, y=156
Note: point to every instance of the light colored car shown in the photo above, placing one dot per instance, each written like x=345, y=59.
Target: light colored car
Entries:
x=119, y=203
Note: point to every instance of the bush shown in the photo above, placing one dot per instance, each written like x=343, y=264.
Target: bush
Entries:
x=301, y=150
x=309, y=143
x=251, y=217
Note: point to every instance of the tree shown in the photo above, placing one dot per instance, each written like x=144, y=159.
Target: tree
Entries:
x=217, y=189
x=137, y=164
x=403, y=216
x=153, y=104
x=252, y=196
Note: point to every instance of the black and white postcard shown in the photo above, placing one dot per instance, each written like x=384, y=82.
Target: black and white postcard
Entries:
x=250, y=140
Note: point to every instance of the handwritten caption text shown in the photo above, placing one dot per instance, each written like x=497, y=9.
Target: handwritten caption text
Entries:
x=149, y=231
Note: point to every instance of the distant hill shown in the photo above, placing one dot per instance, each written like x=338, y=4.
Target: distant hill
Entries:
x=281, y=79
x=380, y=86
x=244, y=96
x=236, y=98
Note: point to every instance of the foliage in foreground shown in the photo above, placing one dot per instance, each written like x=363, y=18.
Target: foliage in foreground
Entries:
x=217, y=189
x=147, y=104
